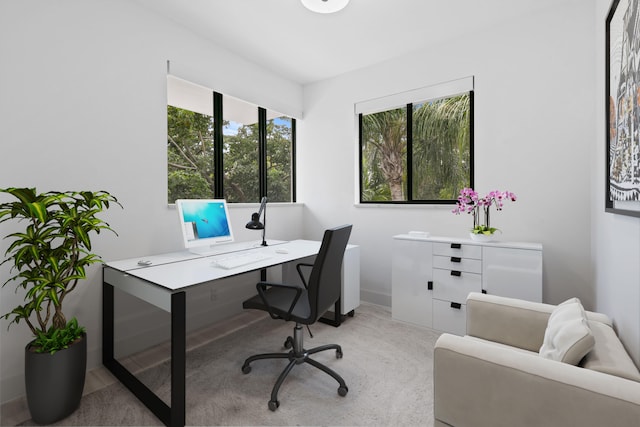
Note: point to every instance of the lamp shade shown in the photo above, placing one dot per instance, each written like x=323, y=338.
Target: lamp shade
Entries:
x=325, y=6
x=255, y=223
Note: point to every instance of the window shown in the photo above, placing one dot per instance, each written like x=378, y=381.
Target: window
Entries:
x=189, y=154
x=280, y=171
x=240, y=134
x=219, y=146
x=421, y=152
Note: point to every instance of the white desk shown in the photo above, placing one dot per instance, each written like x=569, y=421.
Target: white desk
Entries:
x=163, y=284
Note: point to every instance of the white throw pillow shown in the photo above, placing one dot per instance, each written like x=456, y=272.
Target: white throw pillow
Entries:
x=568, y=337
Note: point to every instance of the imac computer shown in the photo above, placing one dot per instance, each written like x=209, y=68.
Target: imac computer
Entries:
x=205, y=224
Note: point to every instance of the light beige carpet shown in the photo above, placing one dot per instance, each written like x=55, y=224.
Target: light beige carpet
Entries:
x=387, y=366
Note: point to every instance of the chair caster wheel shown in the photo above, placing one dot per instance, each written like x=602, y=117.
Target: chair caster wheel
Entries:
x=342, y=391
x=246, y=369
x=338, y=354
x=274, y=404
x=288, y=343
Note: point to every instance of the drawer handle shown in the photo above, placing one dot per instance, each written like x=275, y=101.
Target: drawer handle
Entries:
x=456, y=305
x=456, y=273
x=430, y=285
x=456, y=246
x=456, y=259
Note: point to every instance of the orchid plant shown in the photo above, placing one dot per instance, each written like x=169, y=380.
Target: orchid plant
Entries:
x=471, y=203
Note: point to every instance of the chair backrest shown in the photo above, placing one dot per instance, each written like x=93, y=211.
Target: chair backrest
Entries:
x=325, y=281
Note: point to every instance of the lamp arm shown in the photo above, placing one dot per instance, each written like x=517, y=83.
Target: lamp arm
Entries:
x=263, y=204
x=263, y=210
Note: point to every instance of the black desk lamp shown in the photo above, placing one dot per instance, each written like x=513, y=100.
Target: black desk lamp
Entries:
x=255, y=223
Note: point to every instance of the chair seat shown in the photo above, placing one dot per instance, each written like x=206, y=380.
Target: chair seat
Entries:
x=279, y=300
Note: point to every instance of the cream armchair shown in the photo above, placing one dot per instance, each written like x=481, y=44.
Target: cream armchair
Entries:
x=495, y=376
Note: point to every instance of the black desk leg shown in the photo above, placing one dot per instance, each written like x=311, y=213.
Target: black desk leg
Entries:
x=178, y=358
x=173, y=416
x=107, y=323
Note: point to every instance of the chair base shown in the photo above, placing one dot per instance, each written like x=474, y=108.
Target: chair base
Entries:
x=297, y=356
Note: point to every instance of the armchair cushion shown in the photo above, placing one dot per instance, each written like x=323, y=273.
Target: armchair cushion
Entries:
x=608, y=355
x=568, y=337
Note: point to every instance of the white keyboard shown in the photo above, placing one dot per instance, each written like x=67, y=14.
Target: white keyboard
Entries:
x=238, y=260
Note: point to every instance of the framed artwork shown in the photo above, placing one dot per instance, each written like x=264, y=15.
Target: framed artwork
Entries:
x=623, y=108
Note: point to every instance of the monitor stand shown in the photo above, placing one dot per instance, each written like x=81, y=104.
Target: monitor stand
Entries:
x=223, y=248
x=208, y=250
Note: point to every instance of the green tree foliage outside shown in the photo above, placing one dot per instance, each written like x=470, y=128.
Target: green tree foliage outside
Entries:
x=241, y=163
x=441, y=151
x=441, y=148
x=279, y=167
x=190, y=153
x=384, y=153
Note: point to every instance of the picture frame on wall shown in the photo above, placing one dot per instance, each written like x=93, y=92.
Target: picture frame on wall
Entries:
x=623, y=108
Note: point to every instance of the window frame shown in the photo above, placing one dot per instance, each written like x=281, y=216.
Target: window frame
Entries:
x=262, y=173
x=218, y=145
x=409, y=153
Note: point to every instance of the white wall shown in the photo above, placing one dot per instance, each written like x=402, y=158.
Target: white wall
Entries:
x=615, y=238
x=534, y=122
x=83, y=106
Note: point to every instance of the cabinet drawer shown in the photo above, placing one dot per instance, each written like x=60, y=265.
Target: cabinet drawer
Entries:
x=457, y=263
x=457, y=250
x=453, y=287
x=449, y=319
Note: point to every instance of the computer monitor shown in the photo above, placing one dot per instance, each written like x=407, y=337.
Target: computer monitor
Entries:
x=205, y=223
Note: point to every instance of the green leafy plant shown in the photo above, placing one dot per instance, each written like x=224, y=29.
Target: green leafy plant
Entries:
x=57, y=339
x=50, y=256
x=483, y=229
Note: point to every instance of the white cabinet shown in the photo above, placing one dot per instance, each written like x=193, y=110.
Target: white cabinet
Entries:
x=412, y=274
x=432, y=276
x=501, y=266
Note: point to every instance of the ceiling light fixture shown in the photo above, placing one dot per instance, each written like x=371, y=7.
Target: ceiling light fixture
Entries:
x=325, y=6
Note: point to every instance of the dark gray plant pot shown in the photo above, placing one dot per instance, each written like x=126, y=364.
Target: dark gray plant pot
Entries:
x=55, y=382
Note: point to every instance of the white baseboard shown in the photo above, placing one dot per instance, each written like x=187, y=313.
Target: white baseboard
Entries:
x=375, y=297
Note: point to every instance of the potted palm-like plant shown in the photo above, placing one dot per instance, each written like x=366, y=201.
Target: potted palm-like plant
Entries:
x=48, y=258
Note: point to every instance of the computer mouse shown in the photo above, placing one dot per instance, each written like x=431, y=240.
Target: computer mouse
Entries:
x=144, y=262
x=282, y=251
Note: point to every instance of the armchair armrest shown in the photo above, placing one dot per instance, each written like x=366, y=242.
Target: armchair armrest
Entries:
x=510, y=321
x=480, y=384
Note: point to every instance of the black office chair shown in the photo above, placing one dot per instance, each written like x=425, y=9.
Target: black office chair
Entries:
x=304, y=305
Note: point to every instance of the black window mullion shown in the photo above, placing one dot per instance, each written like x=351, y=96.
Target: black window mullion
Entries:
x=293, y=160
x=471, y=139
x=262, y=151
x=360, y=154
x=218, y=166
x=409, y=156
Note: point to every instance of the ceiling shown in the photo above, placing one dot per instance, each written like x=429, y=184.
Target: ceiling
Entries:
x=304, y=47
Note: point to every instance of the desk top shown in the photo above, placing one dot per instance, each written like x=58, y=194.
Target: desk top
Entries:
x=178, y=270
